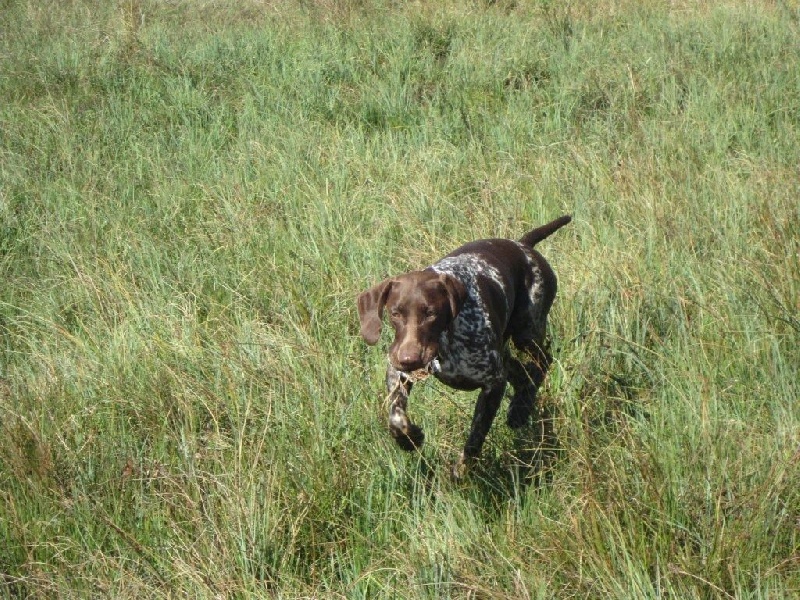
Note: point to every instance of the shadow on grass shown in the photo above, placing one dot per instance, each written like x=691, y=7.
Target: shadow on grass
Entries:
x=508, y=475
x=496, y=478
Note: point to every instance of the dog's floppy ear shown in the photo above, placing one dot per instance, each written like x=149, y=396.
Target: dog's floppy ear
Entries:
x=456, y=292
x=370, y=311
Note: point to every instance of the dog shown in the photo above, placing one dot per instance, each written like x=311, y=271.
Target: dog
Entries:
x=454, y=319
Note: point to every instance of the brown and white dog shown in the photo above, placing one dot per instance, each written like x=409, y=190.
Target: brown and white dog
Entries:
x=455, y=318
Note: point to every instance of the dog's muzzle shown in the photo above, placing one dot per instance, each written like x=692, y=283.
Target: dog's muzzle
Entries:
x=431, y=368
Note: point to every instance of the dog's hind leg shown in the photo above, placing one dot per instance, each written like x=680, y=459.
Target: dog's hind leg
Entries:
x=536, y=441
x=526, y=377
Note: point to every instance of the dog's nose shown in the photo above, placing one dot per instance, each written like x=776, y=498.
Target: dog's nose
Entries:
x=410, y=361
x=410, y=364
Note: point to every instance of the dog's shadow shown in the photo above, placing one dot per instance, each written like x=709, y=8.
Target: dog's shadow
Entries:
x=524, y=460
x=509, y=473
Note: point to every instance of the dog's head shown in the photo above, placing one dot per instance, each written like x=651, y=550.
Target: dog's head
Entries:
x=421, y=305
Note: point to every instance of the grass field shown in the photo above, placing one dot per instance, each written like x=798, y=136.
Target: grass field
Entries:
x=192, y=194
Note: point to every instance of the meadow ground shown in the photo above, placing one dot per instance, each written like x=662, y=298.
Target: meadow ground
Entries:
x=193, y=193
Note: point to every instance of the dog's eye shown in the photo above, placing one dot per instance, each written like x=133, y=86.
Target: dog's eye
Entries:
x=429, y=312
x=395, y=313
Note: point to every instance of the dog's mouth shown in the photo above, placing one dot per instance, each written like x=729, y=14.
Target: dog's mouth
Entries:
x=431, y=368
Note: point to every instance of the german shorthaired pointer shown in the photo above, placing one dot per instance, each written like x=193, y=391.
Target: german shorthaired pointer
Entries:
x=454, y=320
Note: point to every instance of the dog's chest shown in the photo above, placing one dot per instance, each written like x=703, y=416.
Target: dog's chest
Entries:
x=470, y=351
x=469, y=357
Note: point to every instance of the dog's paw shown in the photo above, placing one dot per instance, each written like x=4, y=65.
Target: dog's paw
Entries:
x=460, y=468
x=409, y=440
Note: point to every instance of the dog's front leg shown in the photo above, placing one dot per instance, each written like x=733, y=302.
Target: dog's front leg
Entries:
x=407, y=435
x=485, y=411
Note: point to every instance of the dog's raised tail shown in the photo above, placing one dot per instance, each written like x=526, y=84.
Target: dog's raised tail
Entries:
x=535, y=236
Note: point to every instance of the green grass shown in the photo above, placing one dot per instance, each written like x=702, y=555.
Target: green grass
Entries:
x=193, y=193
